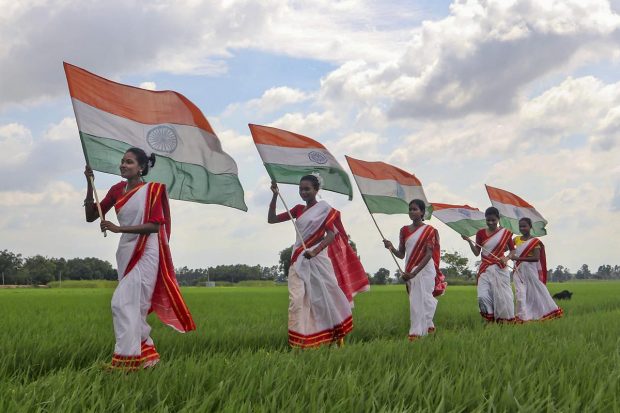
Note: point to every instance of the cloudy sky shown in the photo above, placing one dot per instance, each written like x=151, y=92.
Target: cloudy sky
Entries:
x=521, y=95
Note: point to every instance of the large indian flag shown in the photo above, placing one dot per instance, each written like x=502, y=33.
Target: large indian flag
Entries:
x=288, y=156
x=385, y=188
x=512, y=208
x=462, y=218
x=112, y=118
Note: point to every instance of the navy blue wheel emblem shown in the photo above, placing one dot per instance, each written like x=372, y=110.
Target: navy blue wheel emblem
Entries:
x=162, y=138
x=317, y=157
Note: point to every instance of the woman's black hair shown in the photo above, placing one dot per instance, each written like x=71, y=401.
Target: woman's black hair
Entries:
x=492, y=211
x=526, y=219
x=313, y=180
x=144, y=161
x=421, y=205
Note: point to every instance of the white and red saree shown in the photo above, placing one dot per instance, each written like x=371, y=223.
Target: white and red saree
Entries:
x=321, y=289
x=495, y=297
x=533, y=299
x=429, y=281
x=147, y=281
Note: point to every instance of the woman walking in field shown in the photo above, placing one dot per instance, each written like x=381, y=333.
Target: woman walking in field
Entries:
x=323, y=278
x=147, y=281
x=495, y=298
x=419, y=245
x=530, y=276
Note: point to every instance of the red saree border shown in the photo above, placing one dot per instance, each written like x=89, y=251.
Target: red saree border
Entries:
x=330, y=335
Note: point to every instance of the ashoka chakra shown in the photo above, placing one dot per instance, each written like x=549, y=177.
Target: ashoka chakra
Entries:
x=162, y=138
x=317, y=157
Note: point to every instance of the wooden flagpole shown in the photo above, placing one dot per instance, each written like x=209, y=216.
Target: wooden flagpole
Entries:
x=101, y=217
x=292, y=220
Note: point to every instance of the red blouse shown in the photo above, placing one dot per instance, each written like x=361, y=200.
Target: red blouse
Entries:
x=113, y=195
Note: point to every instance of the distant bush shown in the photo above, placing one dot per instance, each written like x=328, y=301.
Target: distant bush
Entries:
x=460, y=281
x=83, y=284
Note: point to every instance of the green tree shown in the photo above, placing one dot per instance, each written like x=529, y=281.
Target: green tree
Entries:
x=560, y=274
x=457, y=265
x=604, y=272
x=89, y=268
x=285, y=262
x=381, y=277
x=38, y=270
x=10, y=263
x=583, y=273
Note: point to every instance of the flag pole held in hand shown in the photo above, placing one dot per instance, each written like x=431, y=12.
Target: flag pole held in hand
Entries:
x=101, y=217
x=292, y=220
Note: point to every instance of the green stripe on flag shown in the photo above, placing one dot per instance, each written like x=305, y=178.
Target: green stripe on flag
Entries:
x=381, y=204
x=378, y=204
x=184, y=181
x=512, y=225
x=334, y=179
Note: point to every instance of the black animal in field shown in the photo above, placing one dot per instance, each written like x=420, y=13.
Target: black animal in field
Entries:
x=563, y=295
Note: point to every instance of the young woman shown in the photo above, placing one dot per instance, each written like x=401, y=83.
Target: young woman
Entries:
x=419, y=245
x=147, y=281
x=495, y=298
x=530, y=276
x=323, y=278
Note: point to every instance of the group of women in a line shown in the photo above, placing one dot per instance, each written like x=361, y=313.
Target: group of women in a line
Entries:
x=324, y=275
x=495, y=298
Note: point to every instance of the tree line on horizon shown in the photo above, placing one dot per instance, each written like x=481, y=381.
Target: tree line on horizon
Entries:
x=39, y=270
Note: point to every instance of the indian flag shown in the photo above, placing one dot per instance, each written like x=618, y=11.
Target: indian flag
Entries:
x=462, y=218
x=288, y=156
x=385, y=188
x=512, y=208
x=112, y=117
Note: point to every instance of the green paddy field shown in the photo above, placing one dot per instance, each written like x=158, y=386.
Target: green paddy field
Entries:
x=54, y=342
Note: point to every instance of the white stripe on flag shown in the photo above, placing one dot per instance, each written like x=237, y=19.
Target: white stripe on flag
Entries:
x=449, y=215
x=390, y=188
x=282, y=155
x=193, y=144
x=517, y=212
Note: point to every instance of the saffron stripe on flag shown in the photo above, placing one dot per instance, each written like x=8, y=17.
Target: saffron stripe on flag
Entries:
x=144, y=106
x=267, y=135
x=381, y=171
